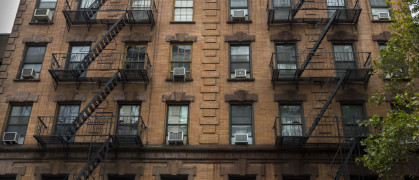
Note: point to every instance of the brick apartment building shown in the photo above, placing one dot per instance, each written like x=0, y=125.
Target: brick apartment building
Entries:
x=189, y=89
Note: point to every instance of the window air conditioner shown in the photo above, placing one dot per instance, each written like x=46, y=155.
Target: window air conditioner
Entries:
x=43, y=15
x=28, y=73
x=240, y=73
x=11, y=137
x=175, y=138
x=179, y=73
x=238, y=15
x=384, y=15
x=241, y=138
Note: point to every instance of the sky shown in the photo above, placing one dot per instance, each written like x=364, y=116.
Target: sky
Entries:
x=8, y=9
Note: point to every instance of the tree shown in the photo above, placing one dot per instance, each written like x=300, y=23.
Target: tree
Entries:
x=387, y=148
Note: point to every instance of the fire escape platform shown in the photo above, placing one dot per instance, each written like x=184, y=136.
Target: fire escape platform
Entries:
x=79, y=17
x=349, y=16
x=123, y=130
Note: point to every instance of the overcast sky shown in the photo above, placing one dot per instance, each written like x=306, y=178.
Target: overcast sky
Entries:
x=8, y=9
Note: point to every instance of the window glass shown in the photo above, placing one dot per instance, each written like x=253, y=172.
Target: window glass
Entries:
x=291, y=120
x=240, y=59
x=286, y=59
x=66, y=116
x=33, y=59
x=238, y=9
x=177, y=120
x=378, y=7
x=140, y=9
x=135, y=58
x=46, y=4
x=181, y=56
x=183, y=10
x=18, y=121
x=241, y=122
x=282, y=3
x=128, y=119
x=375, y=3
x=351, y=115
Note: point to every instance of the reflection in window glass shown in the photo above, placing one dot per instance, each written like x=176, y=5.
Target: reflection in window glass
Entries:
x=183, y=10
x=128, y=119
x=291, y=120
x=18, y=121
x=177, y=120
x=240, y=59
x=181, y=57
x=241, y=121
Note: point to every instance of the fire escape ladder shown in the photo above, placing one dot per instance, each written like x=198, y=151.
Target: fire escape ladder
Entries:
x=94, y=7
x=319, y=41
x=297, y=8
x=329, y=100
x=354, y=144
x=94, y=162
x=92, y=106
x=100, y=46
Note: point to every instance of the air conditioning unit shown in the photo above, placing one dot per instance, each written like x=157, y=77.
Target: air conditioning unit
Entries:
x=238, y=15
x=43, y=15
x=11, y=137
x=241, y=139
x=240, y=73
x=175, y=138
x=384, y=15
x=28, y=73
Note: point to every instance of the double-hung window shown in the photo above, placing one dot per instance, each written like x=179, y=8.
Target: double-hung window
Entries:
x=183, y=10
x=241, y=122
x=42, y=6
x=18, y=121
x=239, y=10
x=77, y=53
x=140, y=9
x=67, y=114
x=291, y=119
x=177, y=123
x=180, y=56
x=286, y=59
x=129, y=116
x=351, y=115
x=380, y=10
x=240, y=61
x=32, y=62
x=136, y=56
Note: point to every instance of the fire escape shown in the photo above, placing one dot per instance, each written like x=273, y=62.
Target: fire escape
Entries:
x=319, y=68
x=97, y=129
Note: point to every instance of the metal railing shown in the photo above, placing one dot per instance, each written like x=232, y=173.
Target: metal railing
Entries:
x=63, y=63
x=284, y=65
x=76, y=11
x=286, y=13
x=97, y=129
x=329, y=130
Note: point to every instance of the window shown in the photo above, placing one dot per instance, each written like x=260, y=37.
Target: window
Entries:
x=67, y=113
x=180, y=56
x=241, y=122
x=136, y=56
x=55, y=177
x=177, y=121
x=18, y=121
x=344, y=58
x=32, y=60
x=291, y=116
x=239, y=10
x=362, y=178
x=140, y=9
x=183, y=10
x=286, y=59
x=380, y=10
x=333, y=5
x=351, y=115
x=296, y=178
x=240, y=61
x=77, y=53
x=178, y=177
x=8, y=177
x=43, y=5
x=282, y=9
x=247, y=177
x=128, y=120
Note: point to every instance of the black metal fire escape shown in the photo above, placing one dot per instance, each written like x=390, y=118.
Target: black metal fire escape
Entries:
x=87, y=13
x=81, y=68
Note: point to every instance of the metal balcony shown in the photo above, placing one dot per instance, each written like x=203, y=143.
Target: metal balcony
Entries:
x=124, y=130
x=331, y=65
x=292, y=131
x=134, y=67
x=107, y=12
x=312, y=11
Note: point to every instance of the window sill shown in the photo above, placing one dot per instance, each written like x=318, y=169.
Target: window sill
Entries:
x=41, y=23
x=182, y=22
x=239, y=22
x=382, y=21
x=240, y=79
x=26, y=80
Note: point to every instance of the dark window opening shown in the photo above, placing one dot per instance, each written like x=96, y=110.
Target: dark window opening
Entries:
x=118, y=177
x=8, y=177
x=296, y=178
x=55, y=177
x=178, y=177
x=247, y=177
x=363, y=178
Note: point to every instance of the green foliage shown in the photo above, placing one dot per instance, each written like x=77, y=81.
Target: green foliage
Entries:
x=386, y=148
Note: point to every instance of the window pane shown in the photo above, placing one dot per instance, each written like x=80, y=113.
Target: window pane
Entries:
x=18, y=119
x=375, y=3
x=35, y=54
x=178, y=115
x=35, y=67
x=281, y=3
x=335, y=2
x=21, y=111
x=67, y=114
x=183, y=3
x=48, y=4
x=239, y=50
x=241, y=114
x=290, y=114
x=241, y=129
x=376, y=11
x=238, y=3
x=343, y=52
x=182, y=128
x=129, y=110
x=136, y=53
x=141, y=3
x=291, y=130
x=235, y=66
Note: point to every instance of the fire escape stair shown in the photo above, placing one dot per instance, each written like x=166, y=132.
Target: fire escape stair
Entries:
x=329, y=24
x=296, y=9
x=100, y=46
x=354, y=144
x=94, y=7
x=93, y=163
